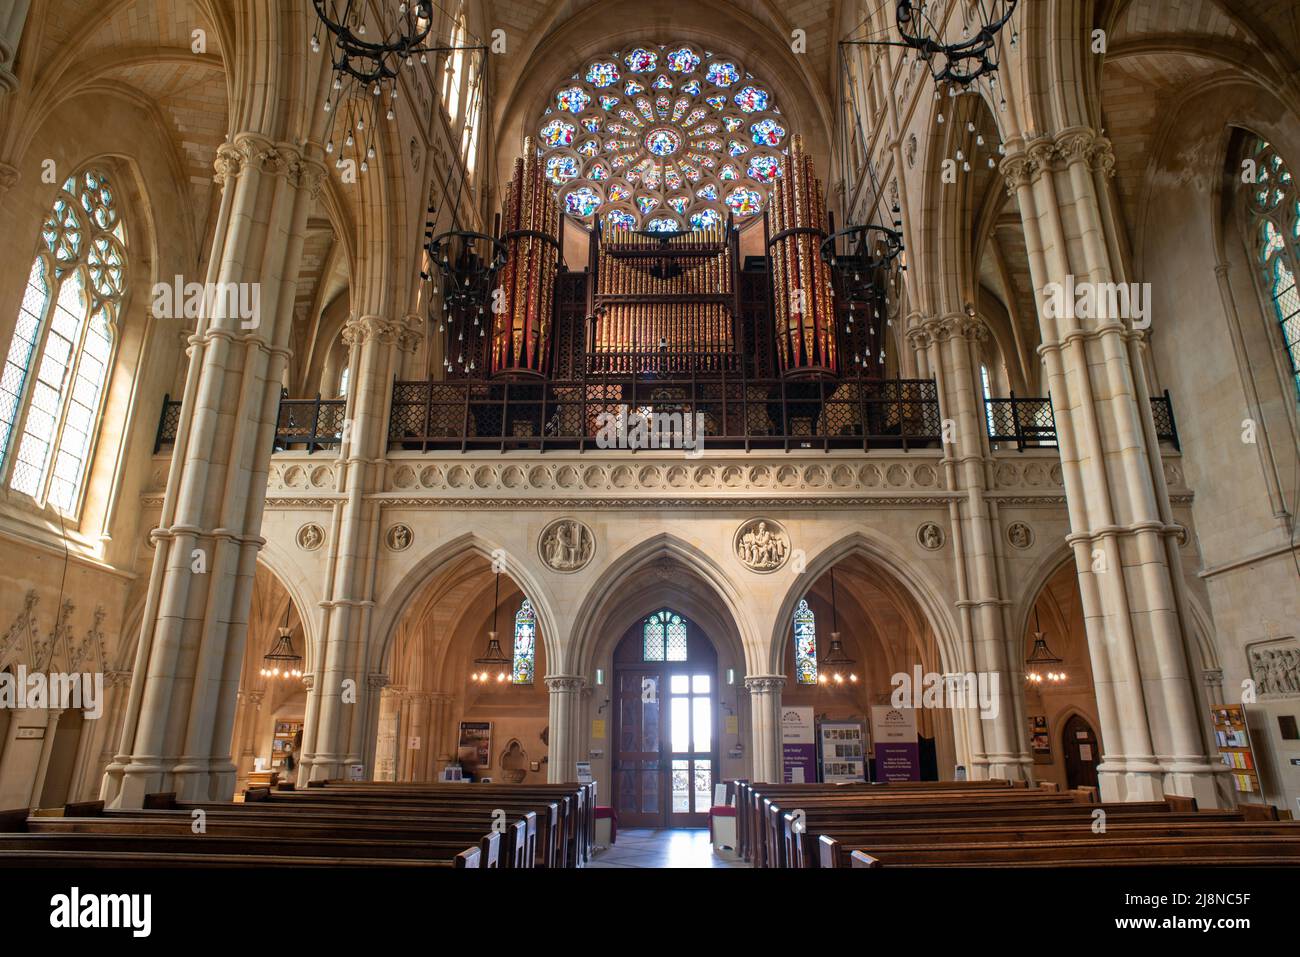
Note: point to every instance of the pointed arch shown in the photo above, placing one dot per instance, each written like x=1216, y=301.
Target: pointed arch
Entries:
x=394, y=606
x=915, y=581
x=610, y=606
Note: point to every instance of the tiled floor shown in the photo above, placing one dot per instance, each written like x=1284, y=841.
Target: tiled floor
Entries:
x=643, y=847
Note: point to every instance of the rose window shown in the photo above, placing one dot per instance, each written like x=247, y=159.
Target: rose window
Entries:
x=663, y=138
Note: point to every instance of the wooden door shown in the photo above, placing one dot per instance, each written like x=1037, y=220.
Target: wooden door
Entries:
x=638, y=781
x=665, y=733
x=1082, y=753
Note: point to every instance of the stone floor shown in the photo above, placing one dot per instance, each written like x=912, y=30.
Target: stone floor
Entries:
x=644, y=847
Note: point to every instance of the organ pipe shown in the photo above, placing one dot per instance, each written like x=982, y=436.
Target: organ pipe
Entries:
x=803, y=307
x=523, y=307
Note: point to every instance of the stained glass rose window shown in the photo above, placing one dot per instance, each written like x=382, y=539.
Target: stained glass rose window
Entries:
x=673, y=137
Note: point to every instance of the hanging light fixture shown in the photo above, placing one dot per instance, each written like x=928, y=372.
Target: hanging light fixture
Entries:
x=494, y=660
x=282, y=661
x=369, y=45
x=836, y=658
x=967, y=59
x=1041, y=665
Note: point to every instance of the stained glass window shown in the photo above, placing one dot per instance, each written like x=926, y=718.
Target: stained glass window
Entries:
x=664, y=637
x=58, y=360
x=663, y=118
x=525, y=645
x=805, y=644
x=1273, y=220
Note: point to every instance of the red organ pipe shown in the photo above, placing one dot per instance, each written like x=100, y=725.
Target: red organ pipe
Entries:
x=804, y=307
x=522, y=309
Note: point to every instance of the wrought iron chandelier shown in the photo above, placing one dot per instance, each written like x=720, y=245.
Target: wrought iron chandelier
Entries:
x=282, y=661
x=369, y=44
x=1041, y=665
x=836, y=657
x=494, y=659
x=963, y=61
x=467, y=264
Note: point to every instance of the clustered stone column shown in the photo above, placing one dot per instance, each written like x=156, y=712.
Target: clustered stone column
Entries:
x=765, y=715
x=180, y=714
x=1122, y=531
x=11, y=33
x=996, y=745
x=343, y=707
x=565, y=739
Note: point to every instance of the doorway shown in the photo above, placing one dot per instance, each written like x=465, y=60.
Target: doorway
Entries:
x=1082, y=753
x=665, y=766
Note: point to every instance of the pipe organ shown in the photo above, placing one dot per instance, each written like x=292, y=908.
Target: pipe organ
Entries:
x=680, y=305
x=803, y=303
x=664, y=304
x=523, y=303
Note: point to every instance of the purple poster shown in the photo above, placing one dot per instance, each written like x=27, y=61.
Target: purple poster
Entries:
x=898, y=755
x=798, y=746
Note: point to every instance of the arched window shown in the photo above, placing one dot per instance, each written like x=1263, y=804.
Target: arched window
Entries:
x=663, y=637
x=805, y=644
x=52, y=387
x=525, y=657
x=343, y=381
x=663, y=138
x=987, y=386
x=1273, y=223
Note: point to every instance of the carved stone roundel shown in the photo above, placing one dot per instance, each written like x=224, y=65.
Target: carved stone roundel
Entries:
x=762, y=545
x=310, y=537
x=1020, y=535
x=399, y=538
x=930, y=536
x=566, y=545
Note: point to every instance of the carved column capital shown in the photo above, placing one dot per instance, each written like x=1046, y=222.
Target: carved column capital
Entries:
x=376, y=681
x=764, y=684
x=565, y=684
x=255, y=151
x=402, y=333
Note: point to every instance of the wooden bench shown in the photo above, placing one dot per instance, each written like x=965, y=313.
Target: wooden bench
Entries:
x=1255, y=850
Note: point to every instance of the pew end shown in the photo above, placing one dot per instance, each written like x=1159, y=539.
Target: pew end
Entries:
x=1258, y=812
x=862, y=859
x=160, y=801
x=13, y=821
x=1178, y=802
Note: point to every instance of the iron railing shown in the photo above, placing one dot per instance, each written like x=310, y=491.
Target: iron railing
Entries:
x=310, y=424
x=735, y=413
x=1029, y=422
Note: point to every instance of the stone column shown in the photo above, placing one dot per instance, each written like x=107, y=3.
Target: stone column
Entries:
x=565, y=690
x=390, y=714
x=1122, y=529
x=765, y=718
x=117, y=684
x=997, y=745
x=339, y=733
x=180, y=713
x=11, y=34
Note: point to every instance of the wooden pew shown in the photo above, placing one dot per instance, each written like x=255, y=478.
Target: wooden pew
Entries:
x=579, y=831
x=510, y=851
x=558, y=825
x=1233, y=851
x=536, y=818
